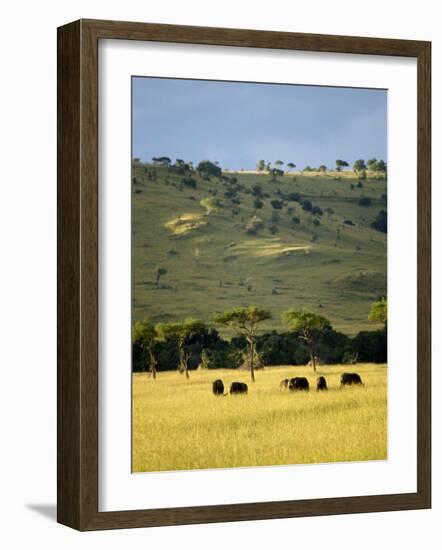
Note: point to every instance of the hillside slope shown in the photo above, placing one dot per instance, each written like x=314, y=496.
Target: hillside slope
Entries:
x=217, y=258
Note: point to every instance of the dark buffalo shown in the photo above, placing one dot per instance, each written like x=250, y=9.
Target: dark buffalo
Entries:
x=284, y=384
x=218, y=387
x=298, y=383
x=350, y=379
x=321, y=383
x=238, y=387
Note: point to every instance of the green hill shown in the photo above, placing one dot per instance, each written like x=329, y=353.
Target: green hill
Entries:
x=222, y=252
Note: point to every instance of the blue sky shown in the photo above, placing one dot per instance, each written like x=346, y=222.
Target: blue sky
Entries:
x=239, y=123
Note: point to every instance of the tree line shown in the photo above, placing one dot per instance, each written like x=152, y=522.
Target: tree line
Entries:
x=191, y=343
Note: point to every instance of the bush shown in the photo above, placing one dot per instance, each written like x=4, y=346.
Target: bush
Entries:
x=316, y=222
x=296, y=220
x=277, y=204
x=189, y=182
x=317, y=211
x=295, y=197
x=365, y=201
x=306, y=205
x=348, y=222
x=380, y=223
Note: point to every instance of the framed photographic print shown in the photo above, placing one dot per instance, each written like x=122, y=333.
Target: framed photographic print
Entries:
x=243, y=275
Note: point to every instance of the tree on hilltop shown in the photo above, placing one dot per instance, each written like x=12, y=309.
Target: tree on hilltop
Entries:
x=340, y=164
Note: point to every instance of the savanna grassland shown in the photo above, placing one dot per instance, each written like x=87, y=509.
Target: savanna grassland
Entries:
x=179, y=424
x=213, y=263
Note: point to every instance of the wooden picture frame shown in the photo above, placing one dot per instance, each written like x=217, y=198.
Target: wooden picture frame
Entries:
x=77, y=461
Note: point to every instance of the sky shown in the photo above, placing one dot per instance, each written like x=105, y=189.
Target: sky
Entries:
x=237, y=123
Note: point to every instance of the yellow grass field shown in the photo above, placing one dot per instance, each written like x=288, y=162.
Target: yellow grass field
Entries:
x=179, y=424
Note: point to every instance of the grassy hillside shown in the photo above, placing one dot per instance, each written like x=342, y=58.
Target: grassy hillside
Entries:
x=213, y=263
x=197, y=430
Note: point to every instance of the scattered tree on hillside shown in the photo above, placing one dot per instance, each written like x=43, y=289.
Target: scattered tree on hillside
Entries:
x=181, y=332
x=275, y=172
x=371, y=164
x=257, y=203
x=359, y=165
x=246, y=322
x=378, y=311
x=380, y=223
x=365, y=201
x=322, y=168
x=381, y=166
x=159, y=272
x=209, y=168
x=145, y=335
x=277, y=204
x=340, y=164
x=309, y=327
x=165, y=161
x=306, y=205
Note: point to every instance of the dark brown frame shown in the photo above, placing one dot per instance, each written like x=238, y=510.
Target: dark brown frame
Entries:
x=77, y=460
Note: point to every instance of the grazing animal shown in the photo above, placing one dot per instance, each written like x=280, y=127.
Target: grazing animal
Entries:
x=238, y=387
x=350, y=379
x=218, y=387
x=284, y=384
x=321, y=383
x=298, y=383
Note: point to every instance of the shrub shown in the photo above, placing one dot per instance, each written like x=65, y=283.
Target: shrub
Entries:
x=296, y=220
x=277, y=204
x=257, y=203
x=317, y=211
x=380, y=223
x=365, y=201
x=306, y=205
x=189, y=182
x=295, y=197
x=348, y=222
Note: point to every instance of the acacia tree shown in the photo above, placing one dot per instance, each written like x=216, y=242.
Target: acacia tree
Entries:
x=245, y=321
x=378, y=311
x=340, y=164
x=261, y=165
x=181, y=332
x=145, y=334
x=159, y=272
x=359, y=165
x=309, y=326
x=371, y=164
x=291, y=165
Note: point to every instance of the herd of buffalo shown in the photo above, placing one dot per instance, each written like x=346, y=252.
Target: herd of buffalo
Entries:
x=291, y=384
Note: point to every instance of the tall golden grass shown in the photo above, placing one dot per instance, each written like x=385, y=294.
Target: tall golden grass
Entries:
x=179, y=424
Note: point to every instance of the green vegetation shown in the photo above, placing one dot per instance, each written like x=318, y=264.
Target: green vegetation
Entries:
x=309, y=326
x=245, y=321
x=233, y=257
x=197, y=430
